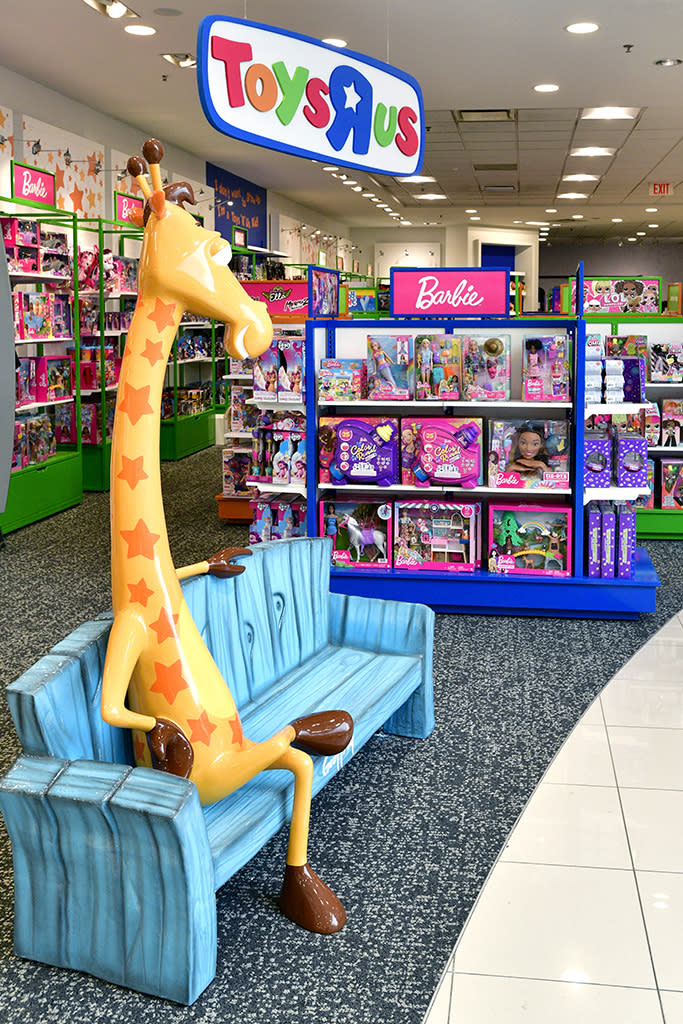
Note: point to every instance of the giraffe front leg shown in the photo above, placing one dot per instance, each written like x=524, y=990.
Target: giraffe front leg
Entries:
x=304, y=898
x=126, y=643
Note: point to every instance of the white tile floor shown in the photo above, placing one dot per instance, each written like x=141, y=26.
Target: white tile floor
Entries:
x=581, y=919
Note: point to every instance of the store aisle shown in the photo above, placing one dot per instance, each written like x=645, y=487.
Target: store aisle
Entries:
x=581, y=917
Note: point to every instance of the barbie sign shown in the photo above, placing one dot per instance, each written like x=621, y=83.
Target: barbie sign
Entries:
x=459, y=291
x=33, y=185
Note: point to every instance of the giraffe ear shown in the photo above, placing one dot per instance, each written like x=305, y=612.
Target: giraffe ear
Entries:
x=136, y=217
x=157, y=201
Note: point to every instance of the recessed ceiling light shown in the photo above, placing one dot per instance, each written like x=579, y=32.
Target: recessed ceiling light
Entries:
x=382, y=206
x=349, y=181
x=470, y=211
x=368, y=195
x=431, y=195
x=668, y=62
x=572, y=195
x=592, y=151
x=609, y=113
x=537, y=223
x=651, y=209
x=357, y=188
x=341, y=43
x=631, y=239
x=653, y=225
x=546, y=87
x=116, y=9
x=617, y=220
x=416, y=179
x=374, y=200
x=180, y=60
x=551, y=209
x=582, y=28
x=641, y=233
x=580, y=177
x=516, y=222
x=577, y=216
x=475, y=218
x=330, y=167
x=139, y=30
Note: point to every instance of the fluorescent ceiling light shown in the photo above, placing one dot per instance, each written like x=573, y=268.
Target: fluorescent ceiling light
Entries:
x=139, y=30
x=536, y=223
x=111, y=8
x=475, y=116
x=357, y=188
x=471, y=211
x=330, y=167
x=431, y=195
x=551, y=209
x=546, y=87
x=341, y=43
x=516, y=222
x=350, y=181
x=668, y=62
x=116, y=9
x=651, y=209
x=577, y=216
x=641, y=233
x=609, y=113
x=617, y=220
x=592, y=151
x=631, y=239
x=180, y=60
x=580, y=177
x=416, y=179
x=582, y=28
x=653, y=225
x=572, y=195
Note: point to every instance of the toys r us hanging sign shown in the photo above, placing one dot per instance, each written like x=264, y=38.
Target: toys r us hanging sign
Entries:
x=295, y=94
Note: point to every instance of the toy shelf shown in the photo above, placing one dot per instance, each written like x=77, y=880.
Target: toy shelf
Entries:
x=612, y=493
x=659, y=523
x=574, y=595
x=42, y=489
x=276, y=488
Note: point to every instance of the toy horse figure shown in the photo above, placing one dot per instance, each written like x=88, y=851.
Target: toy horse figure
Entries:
x=178, y=702
x=359, y=537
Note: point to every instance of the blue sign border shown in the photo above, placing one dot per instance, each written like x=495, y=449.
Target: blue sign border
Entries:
x=323, y=270
x=217, y=122
x=458, y=315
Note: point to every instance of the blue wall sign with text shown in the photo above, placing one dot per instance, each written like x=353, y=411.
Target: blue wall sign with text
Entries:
x=248, y=209
x=288, y=92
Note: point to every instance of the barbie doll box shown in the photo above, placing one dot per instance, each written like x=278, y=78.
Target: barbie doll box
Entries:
x=529, y=454
x=390, y=367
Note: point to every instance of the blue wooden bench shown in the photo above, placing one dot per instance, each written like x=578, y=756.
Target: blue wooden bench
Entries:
x=104, y=851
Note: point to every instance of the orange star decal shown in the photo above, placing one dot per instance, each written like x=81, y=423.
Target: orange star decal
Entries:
x=77, y=198
x=163, y=315
x=59, y=178
x=92, y=160
x=163, y=627
x=132, y=471
x=91, y=197
x=236, y=726
x=169, y=681
x=3, y=118
x=140, y=540
x=135, y=402
x=140, y=593
x=140, y=748
x=153, y=351
x=201, y=729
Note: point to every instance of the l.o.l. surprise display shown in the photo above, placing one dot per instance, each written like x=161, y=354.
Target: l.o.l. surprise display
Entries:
x=159, y=677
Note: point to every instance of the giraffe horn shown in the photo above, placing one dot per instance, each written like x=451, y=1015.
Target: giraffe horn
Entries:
x=153, y=151
x=137, y=168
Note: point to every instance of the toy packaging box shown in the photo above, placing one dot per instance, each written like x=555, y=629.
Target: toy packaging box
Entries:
x=291, y=377
x=238, y=400
x=625, y=542
x=441, y=452
x=630, y=460
x=240, y=367
x=529, y=454
x=262, y=524
x=672, y=483
x=358, y=449
x=236, y=466
x=666, y=361
x=624, y=379
x=341, y=379
x=672, y=423
x=65, y=423
x=437, y=367
x=485, y=367
x=361, y=533
x=290, y=519
x=26, y=381
x=37, y=315
x=53, y=378
x=530, y=539
x=545, y=369
x=62, y=326
x=593, y=539
x=597, y=459
x=652, y=425
x=265, y=369
x=626, y=345
x=390, y=367
x=608, y=547
x=437, y=535
x=20, y=445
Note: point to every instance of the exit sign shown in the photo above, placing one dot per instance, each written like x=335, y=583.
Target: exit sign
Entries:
x=660, y=188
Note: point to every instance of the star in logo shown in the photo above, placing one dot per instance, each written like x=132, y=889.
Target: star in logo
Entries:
x=352, y=97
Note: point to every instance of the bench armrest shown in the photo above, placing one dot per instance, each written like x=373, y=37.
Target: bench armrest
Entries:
x=391, y=627
x=113, y=873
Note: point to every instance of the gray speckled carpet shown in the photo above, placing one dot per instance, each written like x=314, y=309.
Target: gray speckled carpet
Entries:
x=406, y=834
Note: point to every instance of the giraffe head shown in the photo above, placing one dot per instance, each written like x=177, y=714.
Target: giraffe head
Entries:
x=185, y=263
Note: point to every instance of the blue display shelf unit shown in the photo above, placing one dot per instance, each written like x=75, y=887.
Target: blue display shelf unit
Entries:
x=576, y=595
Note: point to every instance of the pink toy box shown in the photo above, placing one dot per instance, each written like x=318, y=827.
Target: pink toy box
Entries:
x=440, y=536
x=37, y=315
x=485, y=367
x=20, y=448
x=390, y=367
x=62, y=326
x=361, y=533
x=265, y=370
x=672, y=423
x=289, y=519
x=53, y=378
x=666, y=362
x=441, y=452
x=65, y=423
x=530, y=539
x=437, y=367
x=358, y=450
x=529, y=454
x=262, y=525
x=672, y=484
x=341, y=379
x=26, y=381
x=291, y=376
x=545, y=369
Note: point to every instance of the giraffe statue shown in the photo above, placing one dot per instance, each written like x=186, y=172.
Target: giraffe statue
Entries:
x=159, y=677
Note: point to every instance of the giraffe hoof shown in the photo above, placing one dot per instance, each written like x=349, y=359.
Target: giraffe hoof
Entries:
x=220, y=564
x=326, y=732
x=170, y=749
x=308, y=902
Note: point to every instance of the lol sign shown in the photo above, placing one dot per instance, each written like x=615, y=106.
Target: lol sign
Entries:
x=288, y=92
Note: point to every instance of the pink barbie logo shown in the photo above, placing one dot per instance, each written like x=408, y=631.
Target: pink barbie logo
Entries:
x=449, y=290
x=126, y=207
x=463, y=294
x=34, y=184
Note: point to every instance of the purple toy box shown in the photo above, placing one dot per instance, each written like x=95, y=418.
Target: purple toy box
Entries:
x=358, y=449
x=361, y=533
x=593, y=539
x=609, y=540
x=441, y=452
x=630, y=460
x=626, y=542
x=290, y=379
x=441, y=536
x=597, y=459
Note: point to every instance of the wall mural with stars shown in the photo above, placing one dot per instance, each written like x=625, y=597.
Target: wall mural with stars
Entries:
x=77, y=163
x=6, y=149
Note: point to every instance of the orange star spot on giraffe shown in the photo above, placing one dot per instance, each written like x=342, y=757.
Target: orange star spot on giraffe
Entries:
x=140, y=593
x=202, y=728
x=163, y=315
x=135, y=402
x=140, y=540
x=163, y=627
x=77, y=198
x=140, y=748
x=153, y=351
x=169, y=680
x=132, y=471
x=236, y=726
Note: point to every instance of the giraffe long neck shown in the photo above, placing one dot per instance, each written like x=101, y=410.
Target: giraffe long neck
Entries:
x=141, y=558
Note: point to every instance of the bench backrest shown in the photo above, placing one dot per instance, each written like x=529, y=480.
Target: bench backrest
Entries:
x=257, y=625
